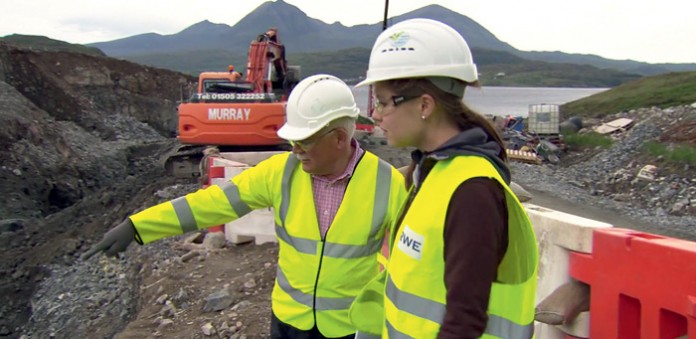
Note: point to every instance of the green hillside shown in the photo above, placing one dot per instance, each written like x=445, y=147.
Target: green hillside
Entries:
x=42, y=43
x=505, y=69
x=346, y=64
x=663, y=90
x=195, y=62
x=351, y=64
x=497, y=68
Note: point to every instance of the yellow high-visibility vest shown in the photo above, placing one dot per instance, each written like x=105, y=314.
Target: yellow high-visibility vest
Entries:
x=415, y=294
x=316, y=279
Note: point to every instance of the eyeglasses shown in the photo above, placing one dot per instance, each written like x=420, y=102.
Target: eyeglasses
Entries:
x=396, y=100
x=307, y=144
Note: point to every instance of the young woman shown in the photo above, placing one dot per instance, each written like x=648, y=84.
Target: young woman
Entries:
x=463, y=257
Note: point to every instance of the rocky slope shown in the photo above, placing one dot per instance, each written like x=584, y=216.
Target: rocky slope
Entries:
x=81, y=144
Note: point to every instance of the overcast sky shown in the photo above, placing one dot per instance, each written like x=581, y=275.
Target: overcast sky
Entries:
x=643, y=30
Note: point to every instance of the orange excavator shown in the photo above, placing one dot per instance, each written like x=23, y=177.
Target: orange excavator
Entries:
x=233, y=114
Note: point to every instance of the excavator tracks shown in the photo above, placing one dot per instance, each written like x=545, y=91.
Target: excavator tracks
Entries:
x=188, y=161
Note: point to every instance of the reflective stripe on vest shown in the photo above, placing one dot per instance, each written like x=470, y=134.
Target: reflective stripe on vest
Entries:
x=185, y=214
x=504, y=328
x=332, y=249
x=420, y=307
x=285, y=184
x=320, y=304
x=394, y=334
x=435, y=311
x=363, y=335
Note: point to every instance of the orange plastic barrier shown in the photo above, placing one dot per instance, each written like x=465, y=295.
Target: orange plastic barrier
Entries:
x=215, y=172
x=642, y=285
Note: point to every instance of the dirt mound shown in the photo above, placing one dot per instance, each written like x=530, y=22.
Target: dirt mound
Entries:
x=682, y=133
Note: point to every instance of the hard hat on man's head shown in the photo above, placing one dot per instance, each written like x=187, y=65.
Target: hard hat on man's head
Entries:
x=420, y=48
x=314, y=103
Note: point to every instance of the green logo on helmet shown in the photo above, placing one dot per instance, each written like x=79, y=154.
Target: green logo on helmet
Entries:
x=399, y=39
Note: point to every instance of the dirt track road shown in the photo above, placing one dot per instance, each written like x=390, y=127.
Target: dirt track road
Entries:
x=547, y=200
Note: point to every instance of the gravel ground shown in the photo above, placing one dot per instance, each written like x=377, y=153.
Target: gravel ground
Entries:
x=540, y=180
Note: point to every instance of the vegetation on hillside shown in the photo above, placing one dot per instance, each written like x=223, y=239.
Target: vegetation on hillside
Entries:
x=351, y=64
x=629, y=66
x=42, y=43
x=195, y=62
x=504, y=69
x=497, y=68
x=676, y=147
x=662, y=91
x=348, y=64
x=672, y=153
x=588, y=140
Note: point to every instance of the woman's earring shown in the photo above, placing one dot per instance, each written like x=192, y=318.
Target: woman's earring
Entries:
x=423, y=117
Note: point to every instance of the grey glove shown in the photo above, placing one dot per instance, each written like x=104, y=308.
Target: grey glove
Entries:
x=114, y=241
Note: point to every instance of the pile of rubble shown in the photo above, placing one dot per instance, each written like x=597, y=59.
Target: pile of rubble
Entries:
x=624, y=176
x=625, y=172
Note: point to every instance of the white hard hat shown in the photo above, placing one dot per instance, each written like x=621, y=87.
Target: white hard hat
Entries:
x=420, y=48
x=314, y=103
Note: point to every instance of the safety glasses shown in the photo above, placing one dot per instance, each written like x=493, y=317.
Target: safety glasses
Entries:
x=307, y=144
x=396, y=100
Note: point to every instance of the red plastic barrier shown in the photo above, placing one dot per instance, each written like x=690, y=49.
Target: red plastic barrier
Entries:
x=215, y=172
x=642, y=285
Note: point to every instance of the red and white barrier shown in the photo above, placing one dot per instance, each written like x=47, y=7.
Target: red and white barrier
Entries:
x=642, y=285
x=214, y=173
x=258, y=225
x=558, y=235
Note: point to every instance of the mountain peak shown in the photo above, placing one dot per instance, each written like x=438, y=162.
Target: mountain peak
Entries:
x=275, y=6
x=285, y=16
x=204, y=27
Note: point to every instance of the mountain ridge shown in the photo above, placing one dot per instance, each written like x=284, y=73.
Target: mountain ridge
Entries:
x=303, y=34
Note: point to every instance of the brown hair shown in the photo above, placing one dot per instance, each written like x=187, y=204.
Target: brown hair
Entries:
x=453, y=107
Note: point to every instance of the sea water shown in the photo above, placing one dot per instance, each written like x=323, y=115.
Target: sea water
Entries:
x=505, y=101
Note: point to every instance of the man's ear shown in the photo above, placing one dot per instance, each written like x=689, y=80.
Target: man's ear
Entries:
x=342, y=136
